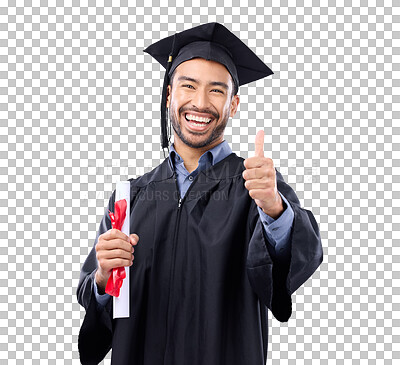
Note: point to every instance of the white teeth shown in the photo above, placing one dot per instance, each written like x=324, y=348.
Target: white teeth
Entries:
x=197, y=119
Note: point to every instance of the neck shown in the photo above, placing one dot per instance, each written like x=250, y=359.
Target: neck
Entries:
x=192, y=155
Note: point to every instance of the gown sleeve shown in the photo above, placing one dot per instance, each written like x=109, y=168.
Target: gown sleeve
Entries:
x=274, y=278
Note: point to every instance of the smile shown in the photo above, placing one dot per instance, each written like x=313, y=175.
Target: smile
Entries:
x=196, y=123
x=195, y=118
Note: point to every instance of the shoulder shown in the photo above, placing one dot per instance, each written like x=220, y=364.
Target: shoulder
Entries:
x=162, y=172
x=230, y=167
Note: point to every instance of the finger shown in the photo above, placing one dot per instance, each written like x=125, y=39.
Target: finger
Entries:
x=257, y=173
x=134, y=238
x=113, y=245
x=108, y=265
x=114, y=254
x=115, y=233
x=259, y=143
x=265, y=195
x=268, y=195
x=259, y=184
x=257, y=161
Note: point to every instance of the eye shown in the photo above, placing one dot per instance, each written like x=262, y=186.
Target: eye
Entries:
x=217, y=90
x=187, y=86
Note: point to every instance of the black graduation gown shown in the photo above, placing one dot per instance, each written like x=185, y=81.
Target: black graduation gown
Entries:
x=203, y=277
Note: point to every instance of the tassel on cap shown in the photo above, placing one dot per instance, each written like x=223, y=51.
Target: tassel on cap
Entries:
x=165, y=136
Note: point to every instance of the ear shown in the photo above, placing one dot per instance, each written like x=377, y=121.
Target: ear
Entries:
x=168, y=95
x=234, y=105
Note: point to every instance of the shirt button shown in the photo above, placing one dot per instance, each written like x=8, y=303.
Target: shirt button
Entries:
x=190, y=178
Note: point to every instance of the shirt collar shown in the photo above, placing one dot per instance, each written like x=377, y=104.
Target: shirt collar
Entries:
x=215, y=154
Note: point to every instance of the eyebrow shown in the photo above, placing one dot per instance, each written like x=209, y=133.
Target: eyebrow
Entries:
x=213, y=83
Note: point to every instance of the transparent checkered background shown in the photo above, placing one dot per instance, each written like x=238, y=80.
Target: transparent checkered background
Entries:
x=79, y=110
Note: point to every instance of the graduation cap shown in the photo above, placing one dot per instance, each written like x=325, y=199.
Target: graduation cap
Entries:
x=211, y=41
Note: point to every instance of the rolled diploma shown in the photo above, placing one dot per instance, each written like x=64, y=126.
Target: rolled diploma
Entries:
x=121, y=304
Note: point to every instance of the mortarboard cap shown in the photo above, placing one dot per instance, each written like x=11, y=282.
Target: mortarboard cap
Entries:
x=211, y=41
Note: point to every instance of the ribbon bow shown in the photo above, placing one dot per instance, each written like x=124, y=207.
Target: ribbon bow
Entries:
x=118, y=274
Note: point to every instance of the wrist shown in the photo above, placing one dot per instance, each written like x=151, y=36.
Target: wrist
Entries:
x=101, y=282
x=276, y=211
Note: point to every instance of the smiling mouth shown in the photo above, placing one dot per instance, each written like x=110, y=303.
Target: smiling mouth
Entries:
x=196, y=121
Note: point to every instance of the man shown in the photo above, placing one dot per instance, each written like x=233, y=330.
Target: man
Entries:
x=215, y=240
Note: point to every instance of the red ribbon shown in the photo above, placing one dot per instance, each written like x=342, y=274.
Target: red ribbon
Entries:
x=118, y=274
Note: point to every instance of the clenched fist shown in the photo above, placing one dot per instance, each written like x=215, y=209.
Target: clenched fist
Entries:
x=113, y=249
x=260, y=176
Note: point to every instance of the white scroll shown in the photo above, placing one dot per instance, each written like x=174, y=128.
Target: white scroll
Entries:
x=121, y=304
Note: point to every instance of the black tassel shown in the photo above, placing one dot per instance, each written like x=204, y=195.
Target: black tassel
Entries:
x=165, y=137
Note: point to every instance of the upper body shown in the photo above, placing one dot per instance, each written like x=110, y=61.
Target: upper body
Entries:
x=204, y=273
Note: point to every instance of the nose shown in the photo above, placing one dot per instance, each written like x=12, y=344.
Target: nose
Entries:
x=200, y=99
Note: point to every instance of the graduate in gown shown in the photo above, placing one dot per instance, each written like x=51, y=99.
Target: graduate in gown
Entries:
x=216, y=241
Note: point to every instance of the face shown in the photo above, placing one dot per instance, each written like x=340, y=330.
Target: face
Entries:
x=200, y=102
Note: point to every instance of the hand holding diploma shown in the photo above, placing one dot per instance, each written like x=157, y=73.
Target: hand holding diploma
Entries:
x=114, y=249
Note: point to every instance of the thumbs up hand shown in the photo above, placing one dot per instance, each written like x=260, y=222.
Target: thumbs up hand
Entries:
x=260, y=176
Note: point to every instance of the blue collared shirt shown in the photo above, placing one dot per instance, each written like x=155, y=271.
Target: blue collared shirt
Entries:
x=277, y=230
